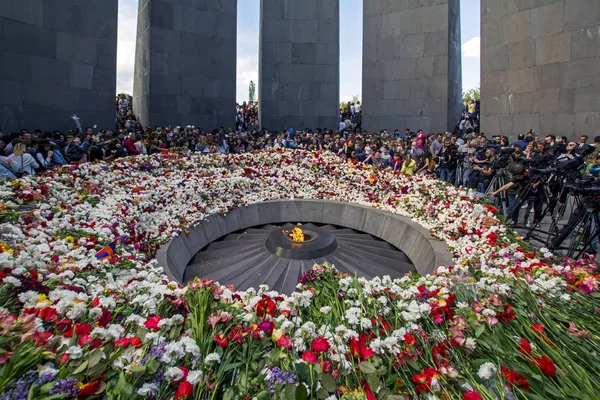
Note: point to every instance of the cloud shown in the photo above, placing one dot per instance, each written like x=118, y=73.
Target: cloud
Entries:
x=471, y=48
x=126, y=45
x=247, y=70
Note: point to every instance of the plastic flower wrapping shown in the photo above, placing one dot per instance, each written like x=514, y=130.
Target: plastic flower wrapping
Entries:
x=506, y=321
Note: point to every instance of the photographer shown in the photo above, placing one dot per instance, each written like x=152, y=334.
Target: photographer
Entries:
x=483, y=169
x=447, y=161
x=466, y=154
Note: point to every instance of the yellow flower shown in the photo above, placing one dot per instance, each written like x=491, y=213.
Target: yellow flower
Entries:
x=43, y=299
x=70, y=239
x=277, y=334
x=4, y=248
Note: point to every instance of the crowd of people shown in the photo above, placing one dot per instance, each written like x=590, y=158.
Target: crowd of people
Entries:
x=246, y=116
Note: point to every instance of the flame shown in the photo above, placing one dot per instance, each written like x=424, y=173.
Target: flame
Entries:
x=296, y=234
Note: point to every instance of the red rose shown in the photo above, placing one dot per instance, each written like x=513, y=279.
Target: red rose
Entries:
x=152, y=322
x=525, y=347
x=472, y=395
x=47, y=313
x=546, y=365
x=320, y=345
x=136, y=342
x=285, y=342
x=309, y=357
x=537, y=328
x=83, y=329
x=184, y=390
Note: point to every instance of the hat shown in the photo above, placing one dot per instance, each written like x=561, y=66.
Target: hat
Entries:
x=291, y=130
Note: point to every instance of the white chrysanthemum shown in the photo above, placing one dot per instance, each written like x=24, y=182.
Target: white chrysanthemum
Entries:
x=75, y=352
x=487, y=370
x=174, y=374
x=11, y=280
x=194, y=377
x=212, y=357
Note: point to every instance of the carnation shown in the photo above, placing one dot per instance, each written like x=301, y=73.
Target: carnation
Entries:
x=487, y=370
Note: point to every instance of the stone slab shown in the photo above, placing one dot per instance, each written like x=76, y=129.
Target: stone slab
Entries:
x=550, y=80
x=299, y=64
x=414, y=54
x=179, y=41
x=56, y=64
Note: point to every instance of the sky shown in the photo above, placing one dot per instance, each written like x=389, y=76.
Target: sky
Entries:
x=350, y=43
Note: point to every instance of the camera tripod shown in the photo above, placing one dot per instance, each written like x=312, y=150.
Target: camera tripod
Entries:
x=556, y=207
x=501, y=178
x=582, y=229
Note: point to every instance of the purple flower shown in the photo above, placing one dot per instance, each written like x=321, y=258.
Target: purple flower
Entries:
x=66, y=386
x=280, y=377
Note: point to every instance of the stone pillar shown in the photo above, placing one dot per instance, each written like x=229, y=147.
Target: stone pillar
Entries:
x=299, y=64
x=185, y=63
x=411, y=65
x=540, y=67
x=57, y=58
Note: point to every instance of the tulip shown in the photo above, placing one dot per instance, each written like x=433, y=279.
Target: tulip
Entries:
x=320, y=345
x=309, y=357
x=184, y=390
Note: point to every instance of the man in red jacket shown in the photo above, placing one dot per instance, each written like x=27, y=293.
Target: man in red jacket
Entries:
x=130, y=147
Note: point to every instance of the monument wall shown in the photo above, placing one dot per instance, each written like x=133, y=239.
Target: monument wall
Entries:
x=299, y=64
x=57, y=58
x=540, y=67
x=185, y=63
x=411, y=65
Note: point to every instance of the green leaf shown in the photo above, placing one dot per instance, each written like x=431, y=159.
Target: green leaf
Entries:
x=123, y=386
x=139, y=369
x=95, y=357
x=95, y=372
x=152, y=366
x=367, y=368
x=373, y=382
x=479, y=330
x=328, y=383
x=413, y=364
x=82, y=367
x=290, y=391
x=227, y=367
x=322, y=393
x=301, y=393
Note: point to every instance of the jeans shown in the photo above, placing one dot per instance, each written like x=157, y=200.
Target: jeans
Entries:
x=511, y=212
x=447, y=174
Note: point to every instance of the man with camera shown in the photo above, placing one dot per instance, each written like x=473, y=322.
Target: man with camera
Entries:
x=447, y=160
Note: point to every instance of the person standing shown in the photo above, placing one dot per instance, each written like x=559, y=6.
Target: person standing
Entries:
x=447, y=161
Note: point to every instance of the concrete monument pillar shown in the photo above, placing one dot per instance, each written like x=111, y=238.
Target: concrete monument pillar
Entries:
x=540, y=67
x=411, y=65
x=299, y=64
x=185, y=63
x=57, y=58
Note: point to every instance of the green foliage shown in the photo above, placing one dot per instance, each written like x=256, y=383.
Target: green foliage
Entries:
x=472, y=94
x=252, y=92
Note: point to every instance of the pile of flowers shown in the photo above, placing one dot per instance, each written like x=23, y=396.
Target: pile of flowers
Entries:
x=506, y=321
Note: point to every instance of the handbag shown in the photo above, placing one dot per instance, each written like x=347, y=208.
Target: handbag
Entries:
x=22, y=173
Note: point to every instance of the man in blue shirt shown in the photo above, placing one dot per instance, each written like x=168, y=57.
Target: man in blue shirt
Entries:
x=521, y=142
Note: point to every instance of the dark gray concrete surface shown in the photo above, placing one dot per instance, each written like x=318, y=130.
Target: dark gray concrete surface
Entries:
x=411, y=65
x=425, y=252
x=185, y=63
x=299, y=64
x=540, y=67
x=57, y=58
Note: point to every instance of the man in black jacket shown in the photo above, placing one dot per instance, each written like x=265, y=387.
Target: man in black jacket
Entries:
x=447, y=160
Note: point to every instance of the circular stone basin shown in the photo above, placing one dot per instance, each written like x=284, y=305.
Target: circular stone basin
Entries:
x=317, y=243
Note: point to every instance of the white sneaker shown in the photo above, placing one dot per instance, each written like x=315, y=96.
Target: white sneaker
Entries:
x=528, y=224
